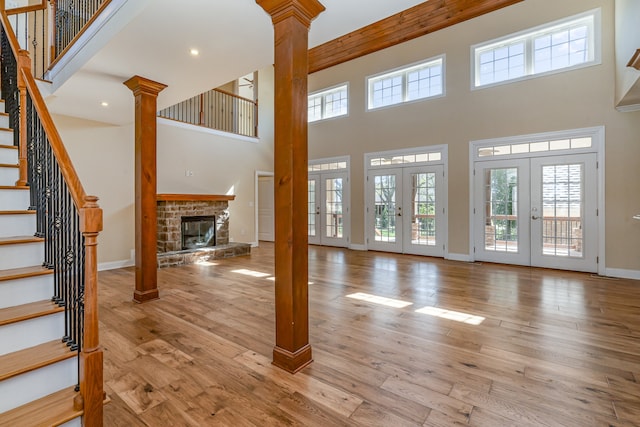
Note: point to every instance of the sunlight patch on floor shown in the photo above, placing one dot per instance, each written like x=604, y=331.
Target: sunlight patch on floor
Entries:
x=206, y=263
x=452, y=315
x=389, y=302
x=251, y=273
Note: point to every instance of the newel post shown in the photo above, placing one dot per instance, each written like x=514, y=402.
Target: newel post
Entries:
x=24, y=64
x=291, y=22
x=91, y=357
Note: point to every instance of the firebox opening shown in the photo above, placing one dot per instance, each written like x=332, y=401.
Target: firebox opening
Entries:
x=198, y=231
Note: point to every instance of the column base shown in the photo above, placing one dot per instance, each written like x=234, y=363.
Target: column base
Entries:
x=292, y=362
x=144, y=296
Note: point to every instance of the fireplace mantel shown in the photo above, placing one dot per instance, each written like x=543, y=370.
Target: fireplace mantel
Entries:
x=194, y=198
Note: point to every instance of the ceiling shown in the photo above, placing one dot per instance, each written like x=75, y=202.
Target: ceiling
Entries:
x=152, y=39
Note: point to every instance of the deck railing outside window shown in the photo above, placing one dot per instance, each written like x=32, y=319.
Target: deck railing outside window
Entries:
x=217, y=109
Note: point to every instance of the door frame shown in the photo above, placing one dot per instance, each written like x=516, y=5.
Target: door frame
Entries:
x=328, y=165
x=597, y=135
x=442, y=158
x=256, y=204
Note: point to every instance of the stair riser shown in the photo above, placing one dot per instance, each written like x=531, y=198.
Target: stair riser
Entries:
x=2, y=110
x=25, y=290
x=14, y=200
x=36, y=384
x=21, y=255
x=4, y=121
x=9, y=156
x=32, y=332
x=17, y=225
x=6, y=137
x=9, y=176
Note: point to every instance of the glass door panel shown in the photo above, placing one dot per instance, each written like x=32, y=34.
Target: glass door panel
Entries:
x=313, y=211
x=425, y=227
x=502, y=195
x=334, y=202
x=385, y=210
x=563, y=212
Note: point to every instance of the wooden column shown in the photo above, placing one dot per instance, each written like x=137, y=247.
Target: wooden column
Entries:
x=291, y=21
x=146, y=93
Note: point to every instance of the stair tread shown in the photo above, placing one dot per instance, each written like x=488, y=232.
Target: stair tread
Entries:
x=11, y=147
x=32, y=358
x=22, y=212
x=52, y=410
x=14, y=187
x=6, y=130
x=28, y=311
x=19, y=273
x=14, y=240
x=9, y=165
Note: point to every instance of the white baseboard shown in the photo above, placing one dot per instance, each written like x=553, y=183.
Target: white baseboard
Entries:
x=103, y=266
x=355, y=247
x=622, y=273
x=458, y=257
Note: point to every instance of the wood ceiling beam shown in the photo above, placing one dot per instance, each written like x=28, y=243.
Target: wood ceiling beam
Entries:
x=409, y=24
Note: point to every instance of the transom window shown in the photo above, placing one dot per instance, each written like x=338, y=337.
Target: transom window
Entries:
x=565, y=44
x=405, y=157
x=534, y=147
x=418, y=81
x=329, y=103
x=326, y=166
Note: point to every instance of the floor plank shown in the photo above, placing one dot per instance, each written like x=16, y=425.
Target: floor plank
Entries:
x=540, y=347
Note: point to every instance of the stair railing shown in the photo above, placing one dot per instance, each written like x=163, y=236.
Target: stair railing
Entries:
x=68, y=219
x=48, y=29
x=70, y=19
x=30, y=25
x=217, y=109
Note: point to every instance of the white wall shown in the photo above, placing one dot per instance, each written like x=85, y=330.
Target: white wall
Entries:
x=102, y=155
x=570, y=100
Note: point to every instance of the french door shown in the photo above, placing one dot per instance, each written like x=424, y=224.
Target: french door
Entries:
x=406, y=210
x=540, y=211
x=328, y=209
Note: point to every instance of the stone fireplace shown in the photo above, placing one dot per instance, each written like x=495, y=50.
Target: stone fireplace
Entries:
x=205, y=219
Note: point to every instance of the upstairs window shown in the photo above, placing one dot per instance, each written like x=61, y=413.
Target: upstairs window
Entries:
x=329, y=103
x=566, y=44
x=419, y=81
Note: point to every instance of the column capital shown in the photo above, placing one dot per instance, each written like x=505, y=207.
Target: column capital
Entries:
x=141, y=85
x=303, y=10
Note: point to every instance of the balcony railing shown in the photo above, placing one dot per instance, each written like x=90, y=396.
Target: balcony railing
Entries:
x=47, y=29
x=217, y=109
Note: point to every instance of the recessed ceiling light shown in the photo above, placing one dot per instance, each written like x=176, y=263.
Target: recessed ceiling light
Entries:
x=194, y=52
x=104, y=103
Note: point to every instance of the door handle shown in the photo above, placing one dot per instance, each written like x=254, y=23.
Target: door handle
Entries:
x=535, y=217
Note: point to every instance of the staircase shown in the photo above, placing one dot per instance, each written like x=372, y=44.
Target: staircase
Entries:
x=38, y=372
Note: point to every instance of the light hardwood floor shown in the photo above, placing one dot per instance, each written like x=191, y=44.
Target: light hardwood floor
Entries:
x=526, y=347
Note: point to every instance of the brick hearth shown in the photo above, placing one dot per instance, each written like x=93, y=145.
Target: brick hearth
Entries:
x=172, y=207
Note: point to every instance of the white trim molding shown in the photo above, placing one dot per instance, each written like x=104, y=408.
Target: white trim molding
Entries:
x=623, y=273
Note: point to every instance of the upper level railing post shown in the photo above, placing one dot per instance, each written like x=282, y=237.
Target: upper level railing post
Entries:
x=24, y=62
x=53, y=30
x=91, y=356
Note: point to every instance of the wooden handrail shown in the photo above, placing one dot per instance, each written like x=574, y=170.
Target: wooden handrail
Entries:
x=236, y=96
x=26, y=9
